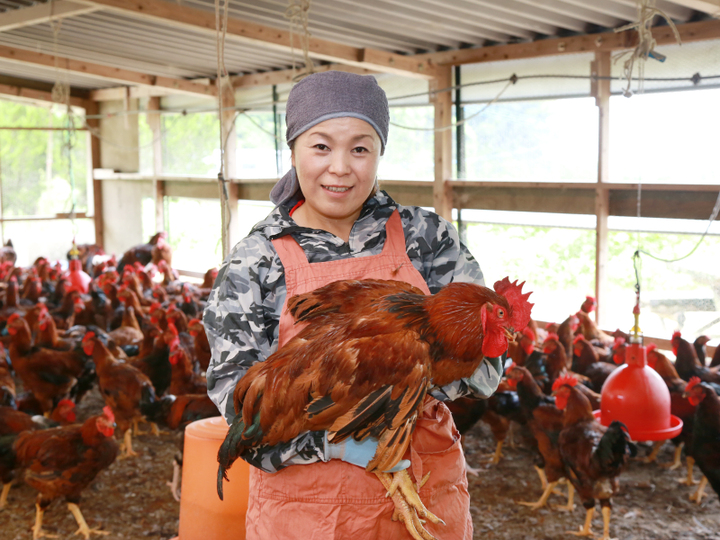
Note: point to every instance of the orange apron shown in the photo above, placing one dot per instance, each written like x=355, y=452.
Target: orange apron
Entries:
x=337, y=500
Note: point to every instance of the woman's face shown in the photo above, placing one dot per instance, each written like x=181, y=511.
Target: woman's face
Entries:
x=336, y=163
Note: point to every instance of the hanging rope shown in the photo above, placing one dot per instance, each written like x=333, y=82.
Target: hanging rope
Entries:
x=223, y=82
x=646, y=43
x=297, y=13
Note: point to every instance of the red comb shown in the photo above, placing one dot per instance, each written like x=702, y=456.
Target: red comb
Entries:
x=528, y=333
x=88, y=336
x=107, y=412
x=651, y=347
x=511, y=367
x=676, y=334
x=552, y=335
x=193, y=321
x=172, y=328
x=154, y=306
x=619, y=341
x=564, y=380
x=66, y=403
x=694, y=381
x=578, y=338
x=12, y=318
x=518, y=302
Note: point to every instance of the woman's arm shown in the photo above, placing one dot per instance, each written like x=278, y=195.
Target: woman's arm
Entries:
x=241, y=322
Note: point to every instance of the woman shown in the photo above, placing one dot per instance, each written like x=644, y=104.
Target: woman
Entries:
x=330, y=223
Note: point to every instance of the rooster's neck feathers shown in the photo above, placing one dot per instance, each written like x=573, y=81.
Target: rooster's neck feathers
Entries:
x=578, y=408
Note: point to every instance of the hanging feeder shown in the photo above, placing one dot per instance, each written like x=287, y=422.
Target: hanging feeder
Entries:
x=637, y=396
x=79, y=280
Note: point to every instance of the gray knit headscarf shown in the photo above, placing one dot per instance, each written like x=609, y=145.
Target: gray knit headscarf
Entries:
x=322, y=96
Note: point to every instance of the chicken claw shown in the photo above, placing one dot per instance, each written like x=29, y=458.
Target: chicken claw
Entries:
x=84, y=529
x=585, y=529
x=37, y=528
x=700, y=491
x=408, y=507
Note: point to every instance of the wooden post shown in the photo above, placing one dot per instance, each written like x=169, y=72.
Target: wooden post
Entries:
x=155, y=122
x=229, y=227
x=601, y=90
x=93, y=157
x=442, y=196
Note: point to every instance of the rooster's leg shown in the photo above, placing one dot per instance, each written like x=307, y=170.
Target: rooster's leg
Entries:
x=677, y=458
x=4, y=495
x=175, y=484
x=408, y=507
x=37, y=528
x=510, y=436
x=84, y=529
x=688, y=480
x=700, y=491
x=657, y=446
x=543, y=498
x=498, y=453
x=127, y=445
x=541, y=474
x=570, y=506
x=585, y=529
x=606, y=522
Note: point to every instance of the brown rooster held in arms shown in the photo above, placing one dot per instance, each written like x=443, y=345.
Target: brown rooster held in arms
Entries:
x=363, y=367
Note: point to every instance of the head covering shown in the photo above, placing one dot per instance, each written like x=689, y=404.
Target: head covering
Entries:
x=331, y=94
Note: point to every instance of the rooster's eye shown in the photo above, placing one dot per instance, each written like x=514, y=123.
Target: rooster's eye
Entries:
x=501, y=312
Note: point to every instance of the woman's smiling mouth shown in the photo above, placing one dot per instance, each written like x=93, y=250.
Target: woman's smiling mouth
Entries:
x=336, y=189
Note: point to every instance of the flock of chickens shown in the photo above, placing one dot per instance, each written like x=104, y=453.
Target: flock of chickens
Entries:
x=138, y=340
x=554, y=384
x=137, y=337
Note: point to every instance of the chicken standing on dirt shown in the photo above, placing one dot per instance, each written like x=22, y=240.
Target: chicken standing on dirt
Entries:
x=593, y=455
x=124, y=388
x=62, y=461
x=705, y=443
x=363, y=368
x=48, y=373
x=545, y=421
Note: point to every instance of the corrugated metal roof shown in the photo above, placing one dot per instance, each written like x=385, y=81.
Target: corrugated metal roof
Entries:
x=132, y=42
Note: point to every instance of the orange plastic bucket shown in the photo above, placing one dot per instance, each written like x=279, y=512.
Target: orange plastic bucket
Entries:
x=203, y=516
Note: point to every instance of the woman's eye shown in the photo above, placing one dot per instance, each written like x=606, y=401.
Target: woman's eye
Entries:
x=321, y=146
x=360, y=150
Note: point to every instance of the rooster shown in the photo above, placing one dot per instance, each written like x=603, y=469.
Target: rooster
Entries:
x=545, y=421
x=364, y=365
x=705, y=443
x=62, y=461
x=688, y=364
x=593, y=455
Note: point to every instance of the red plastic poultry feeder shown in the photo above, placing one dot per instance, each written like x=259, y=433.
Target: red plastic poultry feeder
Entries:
x=79, y=280
x=637, y=396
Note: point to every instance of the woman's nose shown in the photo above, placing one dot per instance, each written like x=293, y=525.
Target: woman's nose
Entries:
x=340, y=163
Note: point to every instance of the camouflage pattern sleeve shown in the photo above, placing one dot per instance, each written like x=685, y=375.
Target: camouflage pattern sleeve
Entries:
x=433, y=244
x=241, y=321
x=482, y=384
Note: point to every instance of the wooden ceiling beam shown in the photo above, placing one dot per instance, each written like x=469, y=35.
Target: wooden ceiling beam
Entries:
x=202, y=20
x=40, y=13
x=34, y=94
x=105, y=72
x=607, y=41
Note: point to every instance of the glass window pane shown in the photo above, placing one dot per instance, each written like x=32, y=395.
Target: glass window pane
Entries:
x=532, y=141
x=665, y=138
x=51, y=239
x=191, y=144
x=410, y=153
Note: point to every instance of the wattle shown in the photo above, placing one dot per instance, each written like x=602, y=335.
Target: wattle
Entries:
x=494, y=345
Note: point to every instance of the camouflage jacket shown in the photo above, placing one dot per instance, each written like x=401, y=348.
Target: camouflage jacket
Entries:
x=243, y=311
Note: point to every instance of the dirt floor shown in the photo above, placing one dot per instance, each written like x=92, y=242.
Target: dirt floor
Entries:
x=131, y=499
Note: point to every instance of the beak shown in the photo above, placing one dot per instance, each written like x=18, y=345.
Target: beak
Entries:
x=685, y=395
x=509, y=334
